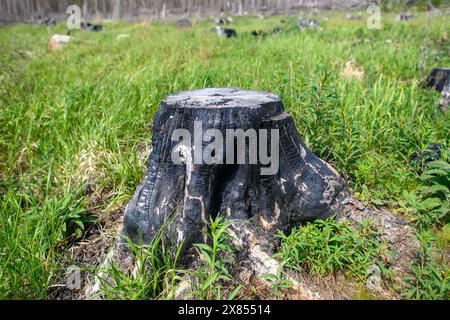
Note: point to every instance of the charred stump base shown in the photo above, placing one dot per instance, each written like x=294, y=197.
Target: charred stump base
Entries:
x=303, y=188
x=180, y=196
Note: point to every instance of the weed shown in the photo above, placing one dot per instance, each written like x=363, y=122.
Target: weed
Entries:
x=429, y=205
x=278, y=281
x=29, y=253
x=154, y=274
x=325, y=247
x=213, y=273
x=429, y=275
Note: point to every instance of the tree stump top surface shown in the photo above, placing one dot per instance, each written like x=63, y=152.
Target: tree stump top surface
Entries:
x=217, y=98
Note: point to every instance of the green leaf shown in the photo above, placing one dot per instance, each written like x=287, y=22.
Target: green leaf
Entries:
x=79, y=223
x=439, y=164
x=377, y=201
x=429, y=203
x=203, y=246
x=233, y=293
x=434, y=189
x=209, y=281
x=439, y=172
x=268, y=276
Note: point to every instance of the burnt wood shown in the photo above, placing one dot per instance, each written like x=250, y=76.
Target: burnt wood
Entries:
x=438, y=79
x=304, y=187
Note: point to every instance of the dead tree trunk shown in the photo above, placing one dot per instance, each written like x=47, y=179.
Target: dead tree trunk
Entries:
x=226, y=170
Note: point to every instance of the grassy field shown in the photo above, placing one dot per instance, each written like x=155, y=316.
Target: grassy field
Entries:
x=75, y=128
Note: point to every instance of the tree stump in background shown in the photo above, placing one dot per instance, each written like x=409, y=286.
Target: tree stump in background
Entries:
x=438, y=79
x=183, y=23
x=231, y=151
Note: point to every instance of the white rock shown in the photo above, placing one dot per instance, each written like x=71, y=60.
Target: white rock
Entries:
x=58, y=41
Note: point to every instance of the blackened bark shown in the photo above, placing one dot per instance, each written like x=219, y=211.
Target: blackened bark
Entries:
x=303, y=188
x=438, y=78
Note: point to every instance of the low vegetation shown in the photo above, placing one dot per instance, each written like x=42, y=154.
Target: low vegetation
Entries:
x=325, y=247
x=429, y=278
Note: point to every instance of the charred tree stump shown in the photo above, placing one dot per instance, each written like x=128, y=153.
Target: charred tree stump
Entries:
x=439, y=78
x=272, y=197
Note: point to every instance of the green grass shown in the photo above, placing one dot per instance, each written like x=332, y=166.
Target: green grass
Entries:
x=154, y=273
x=325, y=247
x=82, y=116
x=157, y=275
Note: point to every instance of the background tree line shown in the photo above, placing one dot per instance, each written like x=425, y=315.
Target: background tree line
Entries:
x=31, y=10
